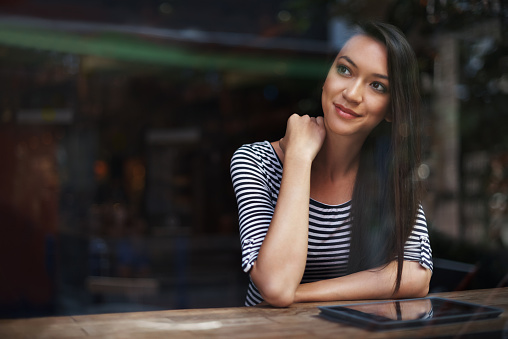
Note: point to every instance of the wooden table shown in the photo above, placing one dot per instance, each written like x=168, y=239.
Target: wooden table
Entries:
x=297, y=321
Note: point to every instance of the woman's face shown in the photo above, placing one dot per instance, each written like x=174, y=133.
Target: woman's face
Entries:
x=356, y=92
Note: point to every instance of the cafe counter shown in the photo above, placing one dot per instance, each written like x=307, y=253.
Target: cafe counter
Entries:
x=298, y=321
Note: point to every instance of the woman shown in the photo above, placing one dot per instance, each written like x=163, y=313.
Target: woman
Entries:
x=332, y=210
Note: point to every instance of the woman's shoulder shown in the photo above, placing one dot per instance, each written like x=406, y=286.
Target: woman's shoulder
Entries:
x=258, y=151
x=256, y=146
x=259, y=157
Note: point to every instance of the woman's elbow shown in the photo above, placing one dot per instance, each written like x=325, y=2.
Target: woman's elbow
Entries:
x=277, y=295
x=275, y=290
x=279, y=301
x=416, y=283
x=278, y=298
x=421, y=290
x=423, y=277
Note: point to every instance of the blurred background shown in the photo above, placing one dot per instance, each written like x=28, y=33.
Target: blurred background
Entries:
x=118, y=119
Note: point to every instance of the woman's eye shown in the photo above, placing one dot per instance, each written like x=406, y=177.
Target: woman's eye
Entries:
x=379, y=87
x=341, y=69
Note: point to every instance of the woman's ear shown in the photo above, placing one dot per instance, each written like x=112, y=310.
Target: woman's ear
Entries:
x=388, y=116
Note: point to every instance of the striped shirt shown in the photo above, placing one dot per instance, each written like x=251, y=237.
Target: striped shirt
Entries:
x=256, y=173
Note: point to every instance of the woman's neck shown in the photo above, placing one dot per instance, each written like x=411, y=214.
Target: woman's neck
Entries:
x=339, y=157
x=334, y=170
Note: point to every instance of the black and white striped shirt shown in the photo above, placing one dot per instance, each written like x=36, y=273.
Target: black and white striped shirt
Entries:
x=256, y=172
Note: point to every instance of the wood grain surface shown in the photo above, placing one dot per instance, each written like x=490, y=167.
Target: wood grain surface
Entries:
x=297, y=321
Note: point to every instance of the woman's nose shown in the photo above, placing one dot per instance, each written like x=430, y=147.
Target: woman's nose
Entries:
x=353, y=93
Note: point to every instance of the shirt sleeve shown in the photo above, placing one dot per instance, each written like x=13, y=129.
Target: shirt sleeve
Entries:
x=417, y=246
x=255, y=206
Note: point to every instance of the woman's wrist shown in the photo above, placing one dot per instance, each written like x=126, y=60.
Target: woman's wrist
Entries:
x=297, y=157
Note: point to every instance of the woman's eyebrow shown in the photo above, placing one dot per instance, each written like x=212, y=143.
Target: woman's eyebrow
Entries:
x=348, y=60
x=345, y=57
x=381, y=76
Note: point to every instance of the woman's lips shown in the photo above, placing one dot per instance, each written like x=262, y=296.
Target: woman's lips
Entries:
x=345, y=112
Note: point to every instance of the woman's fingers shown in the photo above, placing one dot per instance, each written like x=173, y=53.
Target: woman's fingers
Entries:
x=282, y=145
x=304, y=135
x=321, y=123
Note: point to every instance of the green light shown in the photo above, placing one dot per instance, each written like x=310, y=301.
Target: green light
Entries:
x=131, y=48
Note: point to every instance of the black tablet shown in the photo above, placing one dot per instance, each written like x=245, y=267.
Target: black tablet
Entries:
x=407, y=313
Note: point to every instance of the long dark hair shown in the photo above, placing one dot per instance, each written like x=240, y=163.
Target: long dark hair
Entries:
x=386, y=195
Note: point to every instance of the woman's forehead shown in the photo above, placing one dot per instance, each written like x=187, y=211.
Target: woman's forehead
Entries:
x=363, y=43
x=365, y=51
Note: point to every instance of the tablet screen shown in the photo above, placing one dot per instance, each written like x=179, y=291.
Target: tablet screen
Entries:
x=395, y=310
x=409, y=312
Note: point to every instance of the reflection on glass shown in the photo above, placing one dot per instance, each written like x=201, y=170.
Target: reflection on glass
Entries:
x=397, y=310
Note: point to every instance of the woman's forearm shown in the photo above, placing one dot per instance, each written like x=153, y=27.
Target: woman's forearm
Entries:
x=281, y=260
x=377, y=283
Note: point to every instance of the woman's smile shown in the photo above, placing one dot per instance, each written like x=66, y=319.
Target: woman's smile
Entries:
x=346, y=113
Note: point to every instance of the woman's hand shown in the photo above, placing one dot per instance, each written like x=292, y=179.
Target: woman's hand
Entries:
x=304, y=137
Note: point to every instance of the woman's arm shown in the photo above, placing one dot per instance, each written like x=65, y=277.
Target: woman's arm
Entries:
x=377, y=283
x=280, y=264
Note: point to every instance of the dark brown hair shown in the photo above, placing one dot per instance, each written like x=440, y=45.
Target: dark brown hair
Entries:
x=386, y=195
